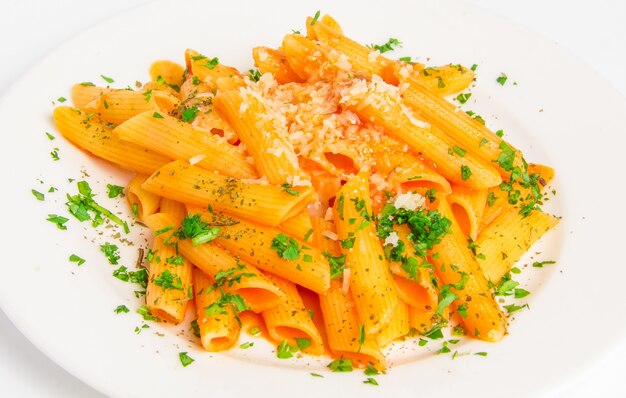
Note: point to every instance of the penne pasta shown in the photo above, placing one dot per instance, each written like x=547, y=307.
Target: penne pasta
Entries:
x=178, y=140
x=507, y=238
x=258, y=292
x=142, y=203
x=371, y=282
x=263, y=203
x=291, y=322
x=219, y=331
x=94, y=136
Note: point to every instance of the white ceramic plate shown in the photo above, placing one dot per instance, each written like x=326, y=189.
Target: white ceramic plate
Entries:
x=560, y=113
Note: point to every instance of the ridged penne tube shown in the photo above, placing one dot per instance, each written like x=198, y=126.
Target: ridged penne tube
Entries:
x=264, y=135
x=411, y=173
x=423, y=321
x=117, y=106
x=484, y=320
x=273, y=61
x=169, y=71
x=266, y=204
x=306, y=58
x=326, y=20
x=467, y=206
x=508, y=237
x=174, y=209
x=258, y=292
x=364, y=60
x=84, y=93
x=460, y=127
x=253, y=243
x=343, y=329
x=207, y=69
x=169, y=284
x=498, y=200
x=91, y=135
x=397, y=326
x=290, y=320
x=419, y=291
x=371, y=282
x=175, y=139
x=440, y=80
x=142, y=202
x=421, y=296
x=377, y=106
x=299, y=227
x=217, y=332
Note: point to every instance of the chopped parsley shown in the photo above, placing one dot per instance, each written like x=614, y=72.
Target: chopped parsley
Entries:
x=226, y=300
x=520, y=178
x=502, y=79
x=254, y=75
x=463, y=97
x=157, y=115
x=388, y=46
x=76, y=259
x=459, y=151
x=491, y=199
x=114, y=191
x=540, y=264
x=168, y=280
x=194, y=228
x=514, y=308
x=212, y=63
x=87, y=84
x=303, y=343
x=473, y=68
x=427, y=228
x=286, y=247
x=466, y=172
x=38, y=195
x=107, y=79
x=371, y=371
x=315, y=17
x=185, y=359
x=337, y=264
x=189, y=114
x=83, y=207
x=176, y=260
x=121, y=309
x=308, y=234
x=434, y=333
x=285, y=350
x=406, y=59
x=58, y=220
x=55, y=154
x=370, y=380
x=246, y=345
x=288, y=188
x=340, y=365
x=145, y=313
x=110, y=252
x=50, y=136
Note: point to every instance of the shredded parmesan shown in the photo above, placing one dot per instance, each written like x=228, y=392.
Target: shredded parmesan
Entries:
x=346, y=281
x=330, y=235
x=373, y=55
x=197, y=159
x=409, y=201
x=392, y=239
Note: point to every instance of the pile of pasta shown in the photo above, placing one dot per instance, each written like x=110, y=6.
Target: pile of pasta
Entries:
x=334, y=199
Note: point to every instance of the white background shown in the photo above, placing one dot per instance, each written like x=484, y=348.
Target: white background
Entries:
x=594, y=31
